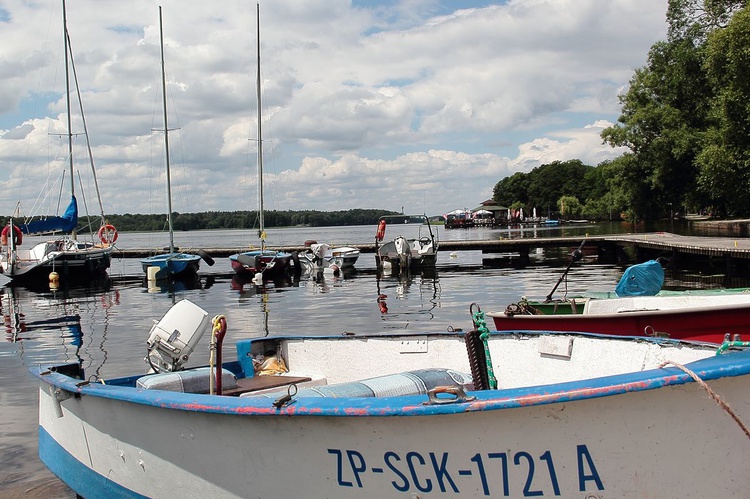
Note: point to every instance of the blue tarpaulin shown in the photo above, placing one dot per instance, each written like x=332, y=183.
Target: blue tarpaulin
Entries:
x=65, y=223
x=643, y=279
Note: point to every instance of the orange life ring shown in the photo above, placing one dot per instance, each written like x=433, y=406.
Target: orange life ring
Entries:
x=381, y=230
x=17, y=238
x=108, y=234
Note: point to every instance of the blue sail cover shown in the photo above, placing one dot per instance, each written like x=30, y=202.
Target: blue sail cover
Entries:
x=65, y=223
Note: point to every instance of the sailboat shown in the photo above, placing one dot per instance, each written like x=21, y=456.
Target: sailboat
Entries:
x=262, y=262
x=172, y=264
x=63, y=258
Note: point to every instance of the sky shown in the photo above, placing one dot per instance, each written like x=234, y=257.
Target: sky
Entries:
x=419, y=106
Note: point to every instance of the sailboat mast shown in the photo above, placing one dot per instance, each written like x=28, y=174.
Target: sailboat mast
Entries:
x=166, y=136
x=261, y=224
x=66, y=43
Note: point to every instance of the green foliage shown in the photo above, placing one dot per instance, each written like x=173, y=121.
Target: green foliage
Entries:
x=725, y=158
x=235, y=220
x=685, y=116
x=511, y=189
x=696, y=19
x=569, y=207
x=543, y=186
x=517, y=206
x=664, y=116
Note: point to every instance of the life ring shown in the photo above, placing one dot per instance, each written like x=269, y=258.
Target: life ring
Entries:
x=17, y=238
x=381, y=230
x=108, y=234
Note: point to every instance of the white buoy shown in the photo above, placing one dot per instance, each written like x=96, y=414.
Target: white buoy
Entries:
x=151, y=272
x=151, y=277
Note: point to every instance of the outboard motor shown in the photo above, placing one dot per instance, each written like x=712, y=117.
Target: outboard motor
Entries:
x=403, y=251
x=319, y=252
x=174, y=337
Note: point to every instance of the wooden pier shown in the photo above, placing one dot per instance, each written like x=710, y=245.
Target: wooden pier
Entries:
x=734, y=253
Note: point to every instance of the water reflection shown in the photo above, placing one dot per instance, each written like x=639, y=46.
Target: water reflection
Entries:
x=115, y=317
x=69, y=324
x=247, y=284
x=64, y=331
x=178, y=284
x=417, y=295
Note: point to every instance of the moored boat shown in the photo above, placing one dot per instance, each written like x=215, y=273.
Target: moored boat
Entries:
x=264, y=261
x=638, y=306
x=711, y=318
x=63, y=257
x=342, y=256
x=173, y=263
x=319, y=257
x=480, y=414
x=405, y=254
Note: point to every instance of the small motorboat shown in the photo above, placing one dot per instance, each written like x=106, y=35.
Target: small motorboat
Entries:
x=404, y=254
x=445, y=414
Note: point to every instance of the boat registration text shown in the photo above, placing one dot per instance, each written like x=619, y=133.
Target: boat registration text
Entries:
x=433, y=471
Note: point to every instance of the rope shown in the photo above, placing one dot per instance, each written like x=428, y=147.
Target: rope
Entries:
x=731, y=344
x=712, y=394
x=484, y=334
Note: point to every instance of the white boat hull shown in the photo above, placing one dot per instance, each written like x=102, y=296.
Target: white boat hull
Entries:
x=76, y=260
x=556, y=449
x=575, y=416
x=344, y=257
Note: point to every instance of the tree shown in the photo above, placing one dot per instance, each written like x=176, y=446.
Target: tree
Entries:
x=569, y=207
x=696, y=19
x=664, y=116
x=673, y=120
x=725, y=158
x=560, y=178
x=511, y=189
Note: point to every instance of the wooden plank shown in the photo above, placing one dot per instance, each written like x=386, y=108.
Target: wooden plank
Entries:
x=245, y=385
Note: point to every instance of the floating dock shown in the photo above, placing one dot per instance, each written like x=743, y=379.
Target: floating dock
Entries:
x=732, y=252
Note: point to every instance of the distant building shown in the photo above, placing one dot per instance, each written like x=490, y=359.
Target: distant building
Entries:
x=499, y=213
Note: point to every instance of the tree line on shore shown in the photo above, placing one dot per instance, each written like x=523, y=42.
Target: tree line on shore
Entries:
x=235, y=220
x=684, y=122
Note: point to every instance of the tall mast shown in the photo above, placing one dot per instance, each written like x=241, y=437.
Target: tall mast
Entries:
x=261, y=229
x=66, y=42
x=166, y=136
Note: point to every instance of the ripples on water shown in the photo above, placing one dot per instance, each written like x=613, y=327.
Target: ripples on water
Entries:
x=105, y=327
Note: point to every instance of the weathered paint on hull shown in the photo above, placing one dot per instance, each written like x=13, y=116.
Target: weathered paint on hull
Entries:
x=669, y=442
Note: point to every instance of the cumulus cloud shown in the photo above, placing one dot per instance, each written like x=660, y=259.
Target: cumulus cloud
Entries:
x=421, y=104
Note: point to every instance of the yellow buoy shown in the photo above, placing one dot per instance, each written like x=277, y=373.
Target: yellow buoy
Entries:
x=54, y=279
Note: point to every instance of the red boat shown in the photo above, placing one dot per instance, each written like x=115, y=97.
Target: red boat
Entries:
x=708, y=318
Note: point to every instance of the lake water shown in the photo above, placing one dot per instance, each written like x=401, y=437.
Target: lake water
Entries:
x=105, y=327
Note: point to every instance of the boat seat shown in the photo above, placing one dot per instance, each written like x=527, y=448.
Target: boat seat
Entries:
x=188, y=381
x=417, y=382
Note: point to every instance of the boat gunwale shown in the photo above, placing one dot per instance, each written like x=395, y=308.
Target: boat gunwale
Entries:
x=734, y=363
x=624, y=313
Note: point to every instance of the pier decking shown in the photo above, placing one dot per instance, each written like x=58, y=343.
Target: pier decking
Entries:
x=734, y=252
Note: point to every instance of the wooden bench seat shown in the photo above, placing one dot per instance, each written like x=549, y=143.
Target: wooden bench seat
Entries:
x=256, y=383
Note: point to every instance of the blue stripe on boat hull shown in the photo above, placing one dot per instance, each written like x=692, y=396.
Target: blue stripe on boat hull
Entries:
x=79, y=477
